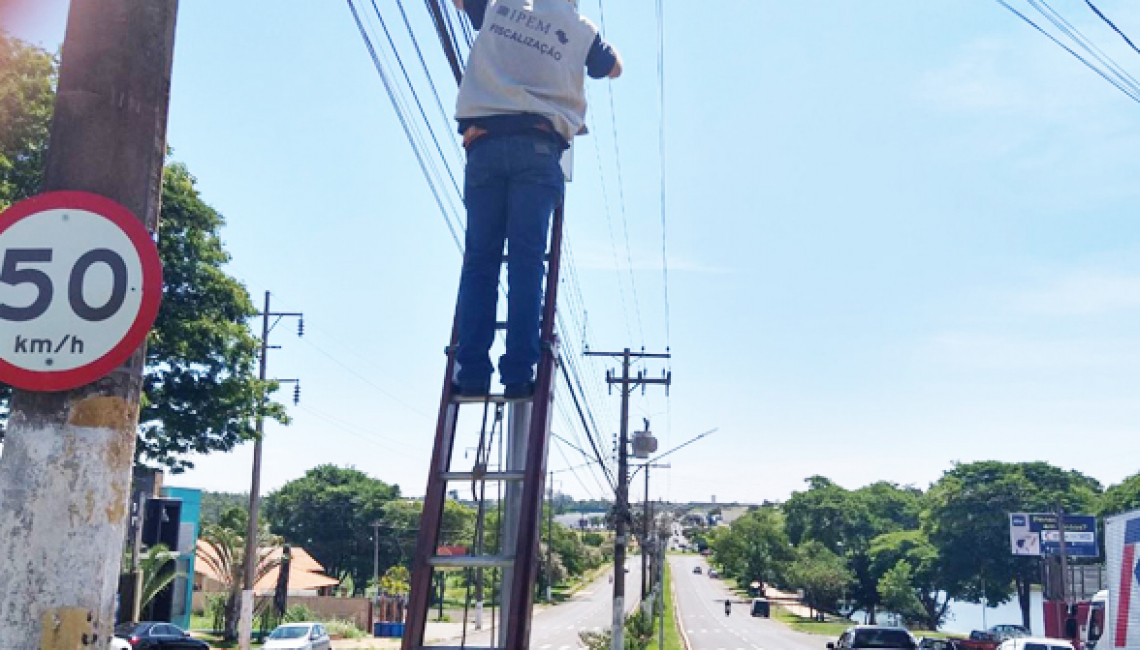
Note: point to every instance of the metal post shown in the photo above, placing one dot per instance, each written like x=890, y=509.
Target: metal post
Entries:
x=1064, y=557
x=65, y=474
x=245, y=628
x=550, y=541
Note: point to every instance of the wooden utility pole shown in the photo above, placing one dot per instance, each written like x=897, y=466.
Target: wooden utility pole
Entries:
x=66, y=470
x=621, y=508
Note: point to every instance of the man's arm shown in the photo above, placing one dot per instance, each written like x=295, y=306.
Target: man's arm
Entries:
x=475, y=9
x=603, y=60
x=616, y=71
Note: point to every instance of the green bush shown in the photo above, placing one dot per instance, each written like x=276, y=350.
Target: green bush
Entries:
x=343, y=628
x=299, y=614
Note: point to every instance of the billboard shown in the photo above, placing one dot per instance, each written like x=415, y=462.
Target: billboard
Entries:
x=1036, y=534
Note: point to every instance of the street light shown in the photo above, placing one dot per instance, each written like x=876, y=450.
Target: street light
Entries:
x=645, y=529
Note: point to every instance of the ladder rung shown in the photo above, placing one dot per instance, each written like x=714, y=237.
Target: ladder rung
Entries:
x=472, y=561
x=493, y=398
x=489, y=476
x=545, y=258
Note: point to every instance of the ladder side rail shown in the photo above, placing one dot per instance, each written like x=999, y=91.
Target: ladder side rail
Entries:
x=431, y=520
x=526, y=554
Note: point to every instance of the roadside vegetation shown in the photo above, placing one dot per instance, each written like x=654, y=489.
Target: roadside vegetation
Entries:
x=898, y=549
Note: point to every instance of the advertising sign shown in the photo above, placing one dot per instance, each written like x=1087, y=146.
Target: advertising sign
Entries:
x=1037, y=534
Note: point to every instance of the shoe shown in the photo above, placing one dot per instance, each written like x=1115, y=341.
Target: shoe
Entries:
x=519, y=391
x=469, y=391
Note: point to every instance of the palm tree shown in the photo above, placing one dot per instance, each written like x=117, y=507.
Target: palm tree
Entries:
x=226, y=558
x=158, y=571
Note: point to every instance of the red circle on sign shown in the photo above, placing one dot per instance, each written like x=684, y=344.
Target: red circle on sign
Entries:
x=151, y=289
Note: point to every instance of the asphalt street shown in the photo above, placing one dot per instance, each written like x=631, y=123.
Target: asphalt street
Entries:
x=700, y=600
x=557, y=627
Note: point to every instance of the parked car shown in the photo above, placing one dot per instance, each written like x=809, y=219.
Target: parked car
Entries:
x=713, y=573
x=697, y=569
x=1003, y=632
x=875, y=636
x=936, y=643
x=298, y=636
x=1035, y=643
x=154, y=635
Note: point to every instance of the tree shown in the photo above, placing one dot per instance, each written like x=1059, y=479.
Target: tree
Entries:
x=200, y=389
x=1121, y=497
x=225, y=556
x=27, y=97
x=329, y=512
x=822, y=575
x=968, y=522
x=907, y=561
x=846, y=521
x=158, y=571
x=754, y=547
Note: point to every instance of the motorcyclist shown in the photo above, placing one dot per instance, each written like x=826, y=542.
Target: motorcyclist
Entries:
x=727, y=607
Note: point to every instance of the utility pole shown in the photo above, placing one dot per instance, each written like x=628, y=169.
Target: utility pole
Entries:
x=550, y=541
x=65, y=474
x=647, y=527
x=1064, y=556
x=376, y=557
x=621, y=508
x=249, y=576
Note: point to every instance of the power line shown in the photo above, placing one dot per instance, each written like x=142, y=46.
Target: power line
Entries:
x=1133, y=94
x=1087, y=45
x=1112, y=25
x=661, y=156
x=416, y=96
x=427, y=73
x=407, y=126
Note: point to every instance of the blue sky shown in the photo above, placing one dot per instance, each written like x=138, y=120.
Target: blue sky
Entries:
x=900, y=234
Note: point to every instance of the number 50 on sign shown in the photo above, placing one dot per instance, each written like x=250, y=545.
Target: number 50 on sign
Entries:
x=80, y=285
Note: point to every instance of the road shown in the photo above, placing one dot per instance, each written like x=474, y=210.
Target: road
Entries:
x=557, y=627
x=700, y=600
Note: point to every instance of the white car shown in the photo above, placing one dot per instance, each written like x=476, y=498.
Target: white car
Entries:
x=298, y=636
x=1035, y=643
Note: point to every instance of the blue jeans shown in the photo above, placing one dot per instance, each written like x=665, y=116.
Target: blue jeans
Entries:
x=512, y=186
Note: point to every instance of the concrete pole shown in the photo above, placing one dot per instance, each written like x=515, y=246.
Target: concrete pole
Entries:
x=622, y=510
x=245, y=624
x=65, y=474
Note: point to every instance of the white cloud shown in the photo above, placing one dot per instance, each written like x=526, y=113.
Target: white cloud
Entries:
x=995, y=352
x=1084, y=294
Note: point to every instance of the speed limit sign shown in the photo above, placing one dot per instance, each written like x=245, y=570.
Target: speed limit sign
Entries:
x=80, y=285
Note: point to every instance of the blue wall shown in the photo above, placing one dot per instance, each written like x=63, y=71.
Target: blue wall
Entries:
x=189, y=528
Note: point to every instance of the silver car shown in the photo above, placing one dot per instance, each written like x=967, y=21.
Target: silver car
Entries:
x=298, y=636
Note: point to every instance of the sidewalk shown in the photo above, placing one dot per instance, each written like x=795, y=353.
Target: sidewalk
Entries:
x=789, y=601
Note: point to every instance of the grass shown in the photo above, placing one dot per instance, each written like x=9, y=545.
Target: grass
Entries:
x=672, y=639
x=834, y=628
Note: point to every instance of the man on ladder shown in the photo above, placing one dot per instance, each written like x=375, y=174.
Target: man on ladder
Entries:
x=521, y=102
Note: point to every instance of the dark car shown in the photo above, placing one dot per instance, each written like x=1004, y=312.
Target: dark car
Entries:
x=157, y=635
x=875, y=636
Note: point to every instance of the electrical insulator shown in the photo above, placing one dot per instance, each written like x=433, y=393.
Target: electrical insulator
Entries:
x=301, y=326
x=297, y=393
